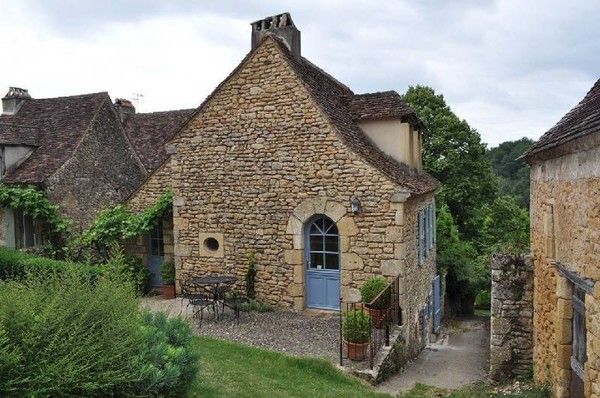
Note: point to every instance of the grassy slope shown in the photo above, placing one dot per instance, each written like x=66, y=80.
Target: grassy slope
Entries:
x=233, y=370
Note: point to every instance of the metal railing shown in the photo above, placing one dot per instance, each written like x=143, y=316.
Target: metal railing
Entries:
x=369, y=321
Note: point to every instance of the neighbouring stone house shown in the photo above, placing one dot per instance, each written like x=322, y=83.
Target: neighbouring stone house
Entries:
x=565, y=237
x=326, y=186
x=74, y=148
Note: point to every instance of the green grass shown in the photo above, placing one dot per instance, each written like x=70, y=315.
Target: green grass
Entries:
x=233, y=370
x=478, y=390
x=479, y=312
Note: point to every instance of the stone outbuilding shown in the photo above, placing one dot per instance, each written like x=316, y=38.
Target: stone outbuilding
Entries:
x=325, y=186
x=84, y=151
x=565, y=237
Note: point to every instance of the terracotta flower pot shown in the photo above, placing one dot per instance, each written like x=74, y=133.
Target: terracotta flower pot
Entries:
x=169, y=291
x=356, y=351
x=379, y=316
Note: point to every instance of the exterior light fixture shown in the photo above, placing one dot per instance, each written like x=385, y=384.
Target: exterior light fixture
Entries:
x=355, y=205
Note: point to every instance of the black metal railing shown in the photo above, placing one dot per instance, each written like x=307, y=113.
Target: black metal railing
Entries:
x=366, y=327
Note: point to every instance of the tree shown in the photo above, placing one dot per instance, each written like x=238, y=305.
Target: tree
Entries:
x=454, y=154
x=513, y=174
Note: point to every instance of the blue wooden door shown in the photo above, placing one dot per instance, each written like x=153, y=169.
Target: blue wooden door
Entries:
x=322, y=264
x=156, y=254
x=437, y=308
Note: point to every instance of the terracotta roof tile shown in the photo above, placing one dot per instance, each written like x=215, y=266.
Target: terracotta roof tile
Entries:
x=148, y=133
x=60, y=123
x=583, y=119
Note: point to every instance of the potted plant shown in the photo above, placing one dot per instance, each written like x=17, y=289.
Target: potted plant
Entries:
x=167, y=274
x=380, y=309
x=356, y=331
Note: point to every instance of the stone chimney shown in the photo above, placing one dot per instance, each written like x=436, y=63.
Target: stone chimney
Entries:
x=124, y=109
x=13, y=100
x=280, y=25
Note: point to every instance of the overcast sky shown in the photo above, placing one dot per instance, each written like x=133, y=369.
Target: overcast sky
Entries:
x=511, y=68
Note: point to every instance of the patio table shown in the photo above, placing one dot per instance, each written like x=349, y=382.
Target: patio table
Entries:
x=217, y=286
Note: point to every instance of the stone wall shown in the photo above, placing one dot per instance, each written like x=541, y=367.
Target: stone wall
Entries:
x=155, y=185
x=257, y=162
x=565, y=227
x=103, y=170
x=511, y=350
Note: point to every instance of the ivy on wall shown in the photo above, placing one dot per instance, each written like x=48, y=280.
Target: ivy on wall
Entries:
x=34, y=202
x=118, y=223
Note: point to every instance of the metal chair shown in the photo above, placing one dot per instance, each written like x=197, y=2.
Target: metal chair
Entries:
x=196, y=298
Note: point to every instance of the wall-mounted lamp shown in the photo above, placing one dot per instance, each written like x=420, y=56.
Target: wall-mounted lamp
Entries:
x=355, y=205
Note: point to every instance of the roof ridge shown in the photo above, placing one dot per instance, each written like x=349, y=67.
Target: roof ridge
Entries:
x=73, y=96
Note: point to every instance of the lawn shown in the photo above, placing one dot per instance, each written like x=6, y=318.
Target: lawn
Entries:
x=233, y=370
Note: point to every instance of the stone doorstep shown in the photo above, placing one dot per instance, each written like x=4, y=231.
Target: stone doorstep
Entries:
x=317, y=313
x=374, y=376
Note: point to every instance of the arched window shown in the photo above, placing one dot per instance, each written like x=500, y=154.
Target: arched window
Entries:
x=323, y=244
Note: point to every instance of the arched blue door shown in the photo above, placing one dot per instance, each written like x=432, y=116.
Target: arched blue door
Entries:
x=322, y=263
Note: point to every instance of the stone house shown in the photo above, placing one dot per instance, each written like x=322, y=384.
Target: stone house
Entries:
x=77, y=150
x=326, y=186
x=565, y=238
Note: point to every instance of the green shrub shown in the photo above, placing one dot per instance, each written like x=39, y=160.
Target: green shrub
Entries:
x=67, y=334
x=169, y=363
x=254, y=305
x=483, y=299
x=356, y=326
x=126, y=268
x=371, y=289
x=251, y=276
x=64, y=334
x=167, y=272
x=15, y=264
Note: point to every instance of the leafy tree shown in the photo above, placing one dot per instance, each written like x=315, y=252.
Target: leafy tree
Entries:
x=454, y=154
x=504, y=225
x=513, y=174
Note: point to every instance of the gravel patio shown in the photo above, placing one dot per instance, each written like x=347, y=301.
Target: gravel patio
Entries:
x=307, y=333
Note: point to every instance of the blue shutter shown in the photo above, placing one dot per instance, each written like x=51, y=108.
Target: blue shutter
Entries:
x=434, y=229
x=420, y=237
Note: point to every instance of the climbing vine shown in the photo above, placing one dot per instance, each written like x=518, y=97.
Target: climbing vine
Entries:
x=117, y=223
x=35, y=203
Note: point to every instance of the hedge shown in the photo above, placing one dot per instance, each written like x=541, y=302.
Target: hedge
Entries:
x=15, y=264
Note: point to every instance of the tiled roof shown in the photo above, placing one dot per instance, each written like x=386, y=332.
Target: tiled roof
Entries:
x=335, y=100
x=59, y=122
x=12, y=134
x=379, y=105
x=148, y=133
x=581, y=120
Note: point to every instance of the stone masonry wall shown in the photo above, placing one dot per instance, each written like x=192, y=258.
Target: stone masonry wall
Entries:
x=152, y=189
x=261, y=159
x=565, y=227
x=511, y=350
x=103, y=171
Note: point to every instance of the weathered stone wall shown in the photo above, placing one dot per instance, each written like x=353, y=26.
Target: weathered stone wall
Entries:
x=152, y=189
x=511, y=350
x=257, y=163
x=565, y=227
x=103, y=171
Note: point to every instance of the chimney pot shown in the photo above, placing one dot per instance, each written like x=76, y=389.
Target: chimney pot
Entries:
x=280, y=25
x=124, y=109
x=14, y=99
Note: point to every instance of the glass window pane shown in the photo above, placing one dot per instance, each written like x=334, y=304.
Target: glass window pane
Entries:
x=327, y=223
x=316, y=243
x=332, y=261
x=314, y=229
x=331, y=244
x=316, y=260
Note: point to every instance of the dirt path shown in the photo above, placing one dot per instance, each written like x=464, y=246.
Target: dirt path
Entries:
x=459, y=359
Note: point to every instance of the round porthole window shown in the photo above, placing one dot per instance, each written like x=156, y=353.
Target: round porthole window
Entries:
x=211, y=244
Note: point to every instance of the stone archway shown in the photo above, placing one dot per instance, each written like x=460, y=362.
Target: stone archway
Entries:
x=295, y=257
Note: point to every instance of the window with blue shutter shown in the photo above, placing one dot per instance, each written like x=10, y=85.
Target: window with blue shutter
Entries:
x=420, y=237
